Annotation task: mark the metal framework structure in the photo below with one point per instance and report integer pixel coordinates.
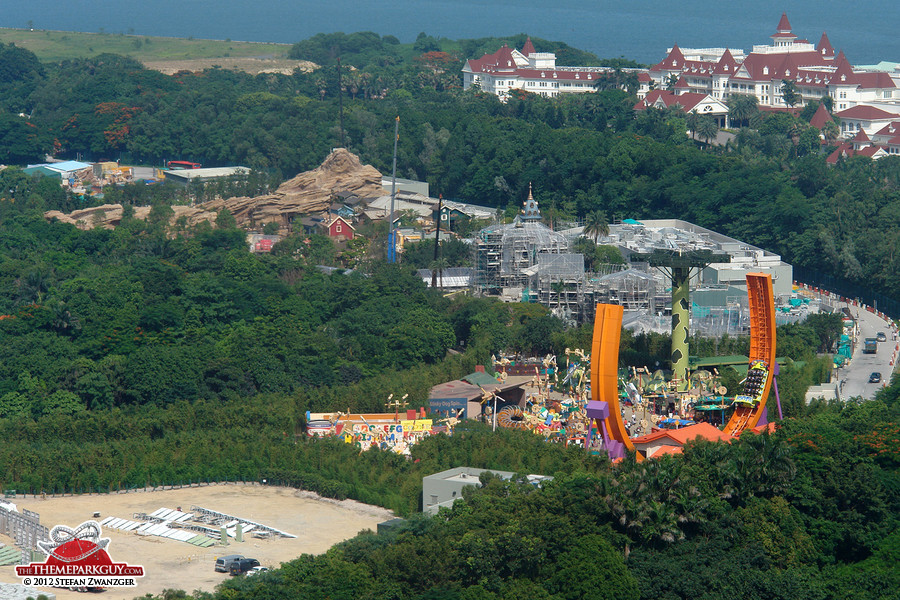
(505, 254)
(221, 519)
(677, 265)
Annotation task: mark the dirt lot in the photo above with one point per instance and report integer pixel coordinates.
(318, 524)
(254, 66)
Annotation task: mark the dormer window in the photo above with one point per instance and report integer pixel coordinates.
(554, 74)
(726, 67)
(843, 78)
(589, 76)
(543, 74)
(765, 70)
(674, 63)
(577, 75)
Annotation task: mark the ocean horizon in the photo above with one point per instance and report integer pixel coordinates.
(641, 30)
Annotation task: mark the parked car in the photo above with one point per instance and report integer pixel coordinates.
(241, 566)
(223, 563)
(875, 377)
(880, 336)
(256, 570)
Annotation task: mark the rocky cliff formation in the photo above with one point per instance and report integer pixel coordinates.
(307, 193)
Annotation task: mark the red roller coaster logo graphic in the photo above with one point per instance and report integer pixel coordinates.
(78, 558)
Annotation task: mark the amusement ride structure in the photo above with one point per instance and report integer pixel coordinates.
(750, 406)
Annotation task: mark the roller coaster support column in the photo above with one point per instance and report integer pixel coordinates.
(680, 325)
(677, 265)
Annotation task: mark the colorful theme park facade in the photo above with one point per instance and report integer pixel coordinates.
(395, 431)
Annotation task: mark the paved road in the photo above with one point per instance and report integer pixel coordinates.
(855, 375)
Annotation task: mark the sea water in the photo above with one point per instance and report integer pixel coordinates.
(636, 29)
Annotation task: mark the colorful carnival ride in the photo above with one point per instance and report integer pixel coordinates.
(585, 400)
(749, 406)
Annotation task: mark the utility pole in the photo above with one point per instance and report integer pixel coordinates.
(392, 235)
(437, 241)
(341, 100)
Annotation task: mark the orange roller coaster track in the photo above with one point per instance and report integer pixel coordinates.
(762, 348)
(604, 406)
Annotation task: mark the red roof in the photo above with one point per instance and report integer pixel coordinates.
(500, 61)
(687, 101)
(667, 450)
(824, 47)
(868, 151)
(674, 61)
(503, 62)
(685, 434)
(644, 77)
(726, 65)
(861, 136)
(891, 129)
(681, 84)
(770, 427)
(845, 149)
(821, 117)
(528, 48)
(554, 74)
(768, 67)
(877, 80)
(784, 26)
(866, 113)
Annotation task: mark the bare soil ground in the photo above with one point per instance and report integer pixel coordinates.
(254, 66)
(318, 524)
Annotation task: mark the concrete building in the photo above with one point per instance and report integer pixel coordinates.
(405, 185)
(185, 177)
(444, 488)
(642, 237)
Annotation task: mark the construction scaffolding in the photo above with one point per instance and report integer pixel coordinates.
(505, 254)
(26, 530)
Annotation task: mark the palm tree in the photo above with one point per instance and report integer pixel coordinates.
(33, 287)
(693, 121)
(741, 108)
(64, 322)
(707, 128)
(437, 266)
(789, 93)
(670, 82)
(596, 225)
(831, 132)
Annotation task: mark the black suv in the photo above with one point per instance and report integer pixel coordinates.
(241, 566)
(875, 377)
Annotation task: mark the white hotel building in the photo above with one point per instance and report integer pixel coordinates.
(815, 69)
(509, 69)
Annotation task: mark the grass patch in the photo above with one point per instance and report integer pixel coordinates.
(52, 46)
